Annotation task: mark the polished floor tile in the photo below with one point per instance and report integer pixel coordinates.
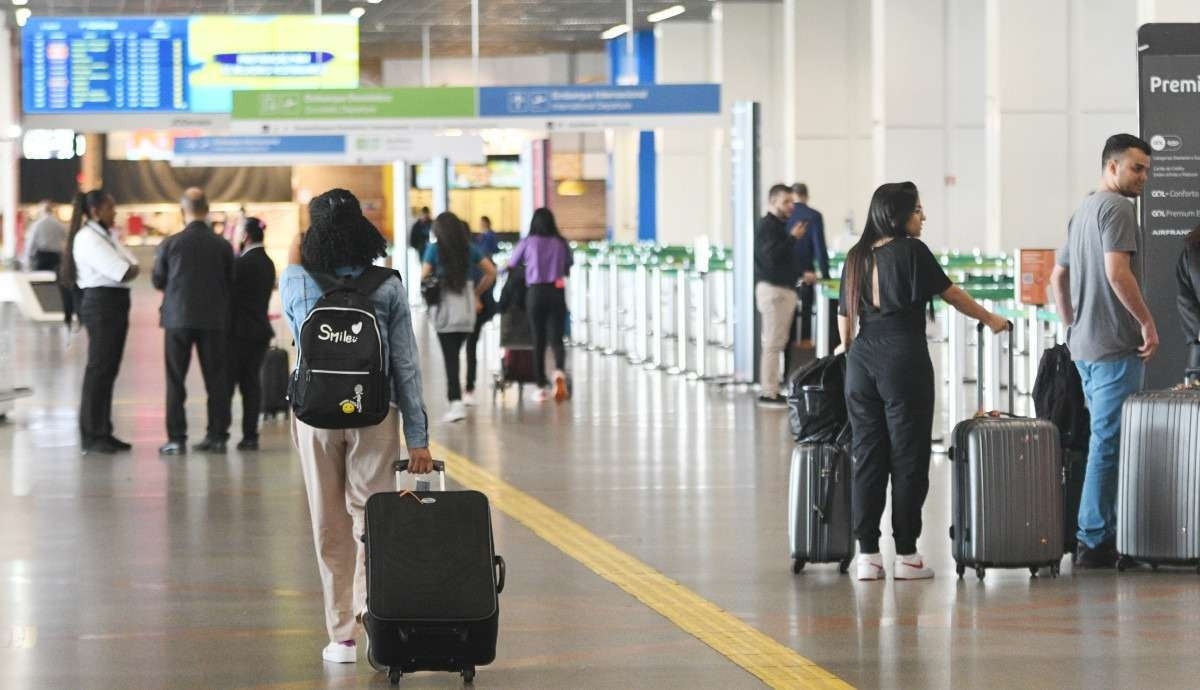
(197, 572)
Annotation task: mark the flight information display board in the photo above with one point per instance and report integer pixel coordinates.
(179, 65)
(105, 65)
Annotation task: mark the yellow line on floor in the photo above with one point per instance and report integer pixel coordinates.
(773, 663)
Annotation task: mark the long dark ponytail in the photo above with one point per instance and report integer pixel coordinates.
(454, 250)
(891, 207)
(83, 209)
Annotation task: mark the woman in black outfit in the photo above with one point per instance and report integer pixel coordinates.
(889, 279)
(1188, 301)
(101, 268)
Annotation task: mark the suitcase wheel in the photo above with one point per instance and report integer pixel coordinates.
(1124, 563)
(980, 572)
(1033, 571)
(1055, 569)
(844, 566)
(394, 676)
(798, 565)
(960, 569)
(468, 675)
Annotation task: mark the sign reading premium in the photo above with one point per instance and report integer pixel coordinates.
(1170, 100)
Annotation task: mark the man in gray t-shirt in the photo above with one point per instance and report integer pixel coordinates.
(1096, 287)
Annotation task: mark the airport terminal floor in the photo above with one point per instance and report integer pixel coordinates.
(644, 526)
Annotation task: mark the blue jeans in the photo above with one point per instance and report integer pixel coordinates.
(1105, 385)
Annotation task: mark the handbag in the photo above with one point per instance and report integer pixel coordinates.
(431, 289)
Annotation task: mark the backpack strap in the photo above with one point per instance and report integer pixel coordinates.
(367, 283)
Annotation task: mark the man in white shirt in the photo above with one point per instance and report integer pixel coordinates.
(45, 240)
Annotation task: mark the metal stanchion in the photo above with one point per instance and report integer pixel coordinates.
(597, 291)
(658, 329)
(681, 321)
(821, 331)
(703, 316)
(612, 342)
(580, 312)
(639, 353)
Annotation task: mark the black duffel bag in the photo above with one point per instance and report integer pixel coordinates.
(816, 401)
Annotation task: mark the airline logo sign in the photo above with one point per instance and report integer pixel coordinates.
(590, 101)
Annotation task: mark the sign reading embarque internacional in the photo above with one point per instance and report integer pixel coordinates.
(1169, 71)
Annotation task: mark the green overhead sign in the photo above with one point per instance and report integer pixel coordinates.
(355, 104)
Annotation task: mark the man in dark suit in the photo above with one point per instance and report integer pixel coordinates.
(194, 269)
(250, 330)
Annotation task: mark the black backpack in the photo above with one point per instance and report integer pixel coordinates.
(1058, 397)
(341, 379)
(816, 401)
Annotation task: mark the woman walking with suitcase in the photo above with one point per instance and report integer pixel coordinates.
(889, 278)
(465, 276)
(343, 467)
(547, 259)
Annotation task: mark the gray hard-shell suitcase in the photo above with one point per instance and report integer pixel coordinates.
(1158, 496)
(819, 506)
(1007, 490)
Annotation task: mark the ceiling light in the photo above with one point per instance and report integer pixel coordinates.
(374, 2)
(20, 3)
(618, 30)
(23, 15)
(672, 11)
(357, 12)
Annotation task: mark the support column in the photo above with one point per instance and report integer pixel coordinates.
(684, 153)
(1027, 129)
(908, 39)
(631, 60)
(831, 112)
(1163, 11)
(746, 50)
(441, 185)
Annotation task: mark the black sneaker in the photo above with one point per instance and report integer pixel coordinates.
(768, 401)
(210, 445)
(248, 444)
(102, 446)
(1103, 556)
(173, 448)
(121, 445)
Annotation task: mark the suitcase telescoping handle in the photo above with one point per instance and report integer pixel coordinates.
(1012, 350)
(439, 468)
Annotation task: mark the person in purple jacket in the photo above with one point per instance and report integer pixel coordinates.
(547, 259)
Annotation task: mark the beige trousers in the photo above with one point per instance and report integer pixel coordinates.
(342, 469)
(777, 305)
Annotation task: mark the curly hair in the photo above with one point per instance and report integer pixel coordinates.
(454, 249)
(339, 235)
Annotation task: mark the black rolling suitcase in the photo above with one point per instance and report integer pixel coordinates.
(274, 378)
(1007, 490)
(819, 506)
(433, 580)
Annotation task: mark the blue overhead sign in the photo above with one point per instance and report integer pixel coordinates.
(600, 100)
(259, 145)
(259, 150)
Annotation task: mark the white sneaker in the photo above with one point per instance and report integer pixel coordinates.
(456, 413)
(339, 653)
(870, 566)
(468, 399)
(912, 567)
(541, 395)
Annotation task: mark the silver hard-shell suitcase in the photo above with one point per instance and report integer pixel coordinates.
(1007, 490)
(819, 506)
(1158, 496)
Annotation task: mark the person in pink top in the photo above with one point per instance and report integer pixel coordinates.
(547, 260)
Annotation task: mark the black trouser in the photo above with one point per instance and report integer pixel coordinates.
(245, 373)
(451, 345)
(210, 347)
(889, 396)
(473, 346)
(105, 314)
(547, 307)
